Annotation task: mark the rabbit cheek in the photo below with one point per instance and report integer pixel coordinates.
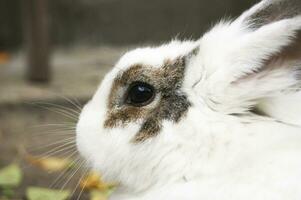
(171, 108)
(123, 116)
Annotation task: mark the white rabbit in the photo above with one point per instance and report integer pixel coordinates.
(214, 119)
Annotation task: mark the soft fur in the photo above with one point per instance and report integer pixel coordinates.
(241, 135)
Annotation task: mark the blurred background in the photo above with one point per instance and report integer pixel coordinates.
(53, 55)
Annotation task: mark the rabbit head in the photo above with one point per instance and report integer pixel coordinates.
(153, 117)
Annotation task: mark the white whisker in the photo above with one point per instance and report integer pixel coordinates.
(53, 144)
(55, 125)
(75, 112)
(72, 175)
(58, 111)
(55, 133)
(63, 173)
(84, 174)
(58, 149)
(78, 106)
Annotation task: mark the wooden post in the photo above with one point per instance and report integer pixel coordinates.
(36, 30)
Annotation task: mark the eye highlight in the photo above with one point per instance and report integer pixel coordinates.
(140, 94)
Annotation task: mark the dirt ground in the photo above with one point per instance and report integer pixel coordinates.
(29, 124)
(38, 131)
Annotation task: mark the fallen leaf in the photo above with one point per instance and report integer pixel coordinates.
(93, 181)
(36, 193)
(4, 57)
(50, 164)
(7, 192)
(10, 176)
(98, 195)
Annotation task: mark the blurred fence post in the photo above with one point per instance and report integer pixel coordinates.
(36, 30)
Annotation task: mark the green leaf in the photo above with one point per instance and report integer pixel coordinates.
(10, 176)
(36, 193)
(8, 192)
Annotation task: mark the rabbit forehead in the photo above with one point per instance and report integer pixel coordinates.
(155, 56)
(170, 103)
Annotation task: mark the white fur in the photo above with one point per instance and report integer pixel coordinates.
(210, 154)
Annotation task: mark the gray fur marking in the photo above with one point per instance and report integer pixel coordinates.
(274, 10)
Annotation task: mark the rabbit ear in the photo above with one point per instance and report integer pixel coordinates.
(268, 11)
(278, 41)
(261, 59)
(281, 16)
(276, 25)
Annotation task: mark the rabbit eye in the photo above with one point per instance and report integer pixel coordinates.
(140, 94)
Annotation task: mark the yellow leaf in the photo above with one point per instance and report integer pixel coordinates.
(51, 164)
(93, 181)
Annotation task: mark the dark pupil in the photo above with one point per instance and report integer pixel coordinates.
(140, 94)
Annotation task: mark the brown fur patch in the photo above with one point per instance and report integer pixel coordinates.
(123, 116)
(172, 103)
